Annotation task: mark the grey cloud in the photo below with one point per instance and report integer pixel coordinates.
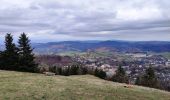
(90, 18)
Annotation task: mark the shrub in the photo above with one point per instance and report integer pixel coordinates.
(43, 68)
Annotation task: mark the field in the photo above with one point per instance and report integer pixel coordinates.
(166, 54)
(92, 54)
(29, 86)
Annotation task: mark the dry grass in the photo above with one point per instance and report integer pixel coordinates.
(28, 86)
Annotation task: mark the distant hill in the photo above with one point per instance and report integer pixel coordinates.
(83, 46)
(120, 46)
(29, 86)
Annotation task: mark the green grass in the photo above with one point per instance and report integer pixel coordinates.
(28, 86)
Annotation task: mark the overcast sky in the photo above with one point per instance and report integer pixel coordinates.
(63, 20)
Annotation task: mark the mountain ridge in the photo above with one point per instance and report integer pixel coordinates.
(84, 46)
(120, 46)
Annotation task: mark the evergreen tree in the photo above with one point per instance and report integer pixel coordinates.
(1, 60)
(120, 76)
(138, 81)
(74, 69)
(149, 79)
(9, 57)
(66, 71)
(83, 70)
(59, 70)
(100, 73)
(96, 72)
(26, 59)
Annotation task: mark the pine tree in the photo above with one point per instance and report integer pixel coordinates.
(100, 73)
(120, 76)
(121, 71)
(74, 69)
(149, 79)
(96, 72)
(9, 57)
(26, 56)
(138, 81)
(59, 71)
(84, 70)
(1, 60)
(66, 71)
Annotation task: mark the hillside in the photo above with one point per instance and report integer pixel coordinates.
(28, 86)
(83, 46)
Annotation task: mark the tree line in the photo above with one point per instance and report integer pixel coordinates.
(147, 79)
(17, 57)
(71, 69)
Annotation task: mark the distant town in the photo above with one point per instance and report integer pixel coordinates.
(134, 63)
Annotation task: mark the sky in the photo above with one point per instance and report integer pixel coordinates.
(66, 20)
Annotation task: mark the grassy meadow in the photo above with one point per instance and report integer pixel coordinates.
(30, 86)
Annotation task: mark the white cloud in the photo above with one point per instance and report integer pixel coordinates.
(86, 19)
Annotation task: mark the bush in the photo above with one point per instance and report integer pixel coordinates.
(43, 68)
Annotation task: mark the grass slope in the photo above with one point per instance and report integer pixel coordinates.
(28, 86)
